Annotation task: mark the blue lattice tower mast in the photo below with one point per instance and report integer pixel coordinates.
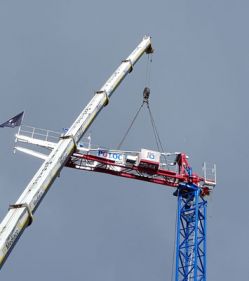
(191, 234)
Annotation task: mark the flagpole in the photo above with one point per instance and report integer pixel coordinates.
(18, 132)
(22, 117)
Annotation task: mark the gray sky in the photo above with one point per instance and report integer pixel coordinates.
(54, 55)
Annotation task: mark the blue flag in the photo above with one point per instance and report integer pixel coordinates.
(14, 121)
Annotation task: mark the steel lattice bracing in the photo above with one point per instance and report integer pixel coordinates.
(191, 234)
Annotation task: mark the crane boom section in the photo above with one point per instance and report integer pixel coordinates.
(20, 214)
(102, 96)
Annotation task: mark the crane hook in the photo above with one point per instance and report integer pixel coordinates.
(146, 94)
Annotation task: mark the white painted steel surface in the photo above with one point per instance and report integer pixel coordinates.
(18, 217)
(149, 155)
(31, 152)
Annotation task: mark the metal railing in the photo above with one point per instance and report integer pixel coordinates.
(209, 173)
(38, 133)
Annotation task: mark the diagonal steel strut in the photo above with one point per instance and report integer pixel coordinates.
(19, 215)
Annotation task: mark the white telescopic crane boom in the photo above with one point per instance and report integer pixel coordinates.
(20, 214)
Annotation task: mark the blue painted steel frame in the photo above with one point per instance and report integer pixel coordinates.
(191, 234)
